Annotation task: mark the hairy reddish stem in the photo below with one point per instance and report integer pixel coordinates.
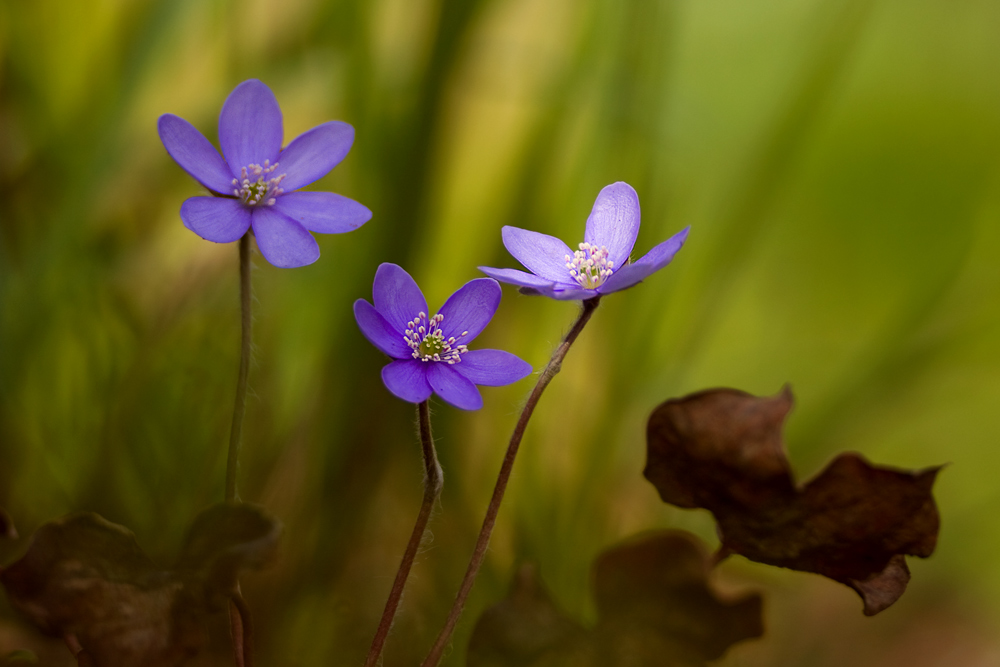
(241, 626)
(433, 481)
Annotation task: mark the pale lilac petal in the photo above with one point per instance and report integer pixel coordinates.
(283, 242)
(625, 277)
(648, 264)
(193, 152)
(407, 379)
(397, 297)
(561, 292)
(467, 312)
(515, 277)
(250, 126)
(543, 255)
(216, 218)
(572, 294)
(614, 221)
(313, 154)
(453, 387)
(323, 212)
(379, 332)
(492, 368)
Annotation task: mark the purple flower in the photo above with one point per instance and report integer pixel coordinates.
(431, 354)
(600, 266)
(256, 181)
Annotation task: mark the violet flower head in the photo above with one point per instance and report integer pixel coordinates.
(600, 265)
(254, 181)
(430, 353)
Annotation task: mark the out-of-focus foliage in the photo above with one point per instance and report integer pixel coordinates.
(836, 160)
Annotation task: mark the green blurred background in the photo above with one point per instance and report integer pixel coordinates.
(836, 160)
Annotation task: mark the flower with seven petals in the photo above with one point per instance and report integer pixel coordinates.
(600, 265)
(430, 353)
(255, 181)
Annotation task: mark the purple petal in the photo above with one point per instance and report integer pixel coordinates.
(216, 218)
(453, 387)
(492, 368)
(467, 312)
(614, 221)
(648, 264)
(250, 126)
(193, 152)
(283, 242)
(313, 154)
(561, 292)
(397, 297)
(564, 293)
(407, 379)
(379, 332)
(323, 212)
(515, 277)
(543, 255)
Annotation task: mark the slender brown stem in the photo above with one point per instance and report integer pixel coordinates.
(553, 367)
(239, 613)
(433, 481)
(240, 408)
(241, 625)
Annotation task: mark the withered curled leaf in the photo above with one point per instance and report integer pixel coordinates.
(654, 590)
(722, 450)
(525, 629)
(85, 579)
(655, 608)
(224, 541)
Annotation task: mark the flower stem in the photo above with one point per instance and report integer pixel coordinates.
(240, 408)
(239, 613)
(553, 367)
(241, 626)
(433, 481)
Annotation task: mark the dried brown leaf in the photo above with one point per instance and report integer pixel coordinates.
(722, 450)
(85, 579)
(659, 583)
(655, 609)
(224, 541)
(525, 629)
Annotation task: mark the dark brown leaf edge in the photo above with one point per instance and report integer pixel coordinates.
(224, 541)
(525, 629)
(722, 450)
(86, 580)
(655, 608)
(7, 530)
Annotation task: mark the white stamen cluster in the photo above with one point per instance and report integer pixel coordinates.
(256, 185)
(589, 266)
(425, 338)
